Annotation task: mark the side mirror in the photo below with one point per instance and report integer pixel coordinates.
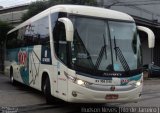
(151, 37)
(68, 27)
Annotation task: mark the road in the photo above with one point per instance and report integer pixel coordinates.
(22, 99)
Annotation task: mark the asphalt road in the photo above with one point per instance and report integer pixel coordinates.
(22, 99)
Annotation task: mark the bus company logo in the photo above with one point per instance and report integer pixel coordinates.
(112, 74)
(124, 81)
(112, 88)
(22, 57)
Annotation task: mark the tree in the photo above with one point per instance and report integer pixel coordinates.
(4, 28)
(77, 2)
(85, 2)
(36, 7)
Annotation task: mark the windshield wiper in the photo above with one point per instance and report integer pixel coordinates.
(121, 57)
(101, 53)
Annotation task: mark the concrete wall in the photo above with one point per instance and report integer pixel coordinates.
(13, 15)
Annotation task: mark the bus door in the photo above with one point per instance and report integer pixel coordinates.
(62, 81)
(60, 44)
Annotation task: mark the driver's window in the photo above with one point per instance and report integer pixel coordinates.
(60, 42)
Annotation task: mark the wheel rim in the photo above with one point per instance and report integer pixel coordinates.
(44, 88)
(11, 79)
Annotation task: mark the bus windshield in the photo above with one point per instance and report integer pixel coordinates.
(105, 45)
(124, 45)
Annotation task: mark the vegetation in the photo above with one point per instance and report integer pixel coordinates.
(4, 28)
(34, 9)
(78, 2)
(39, 6)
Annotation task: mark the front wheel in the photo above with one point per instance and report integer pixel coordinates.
(47, 91)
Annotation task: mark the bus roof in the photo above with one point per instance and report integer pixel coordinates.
(81, 10)
(93, 11)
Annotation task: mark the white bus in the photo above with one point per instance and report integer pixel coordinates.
(79, 54)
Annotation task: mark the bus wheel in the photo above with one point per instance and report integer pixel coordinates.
(11, 76)
(47, 91)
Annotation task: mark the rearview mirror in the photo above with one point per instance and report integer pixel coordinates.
(151, 37)
(68, 27)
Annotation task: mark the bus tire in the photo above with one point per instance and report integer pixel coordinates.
(12, 81)
(47, 91)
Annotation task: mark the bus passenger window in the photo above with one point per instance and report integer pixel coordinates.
(12, 40)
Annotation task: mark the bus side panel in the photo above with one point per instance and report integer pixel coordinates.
(19, 60)
(13, 59)
(40, 62)
(34, 67)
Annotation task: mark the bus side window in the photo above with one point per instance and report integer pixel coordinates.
(60, 42)
(12, 40)
(20, 37)
(42, 31)
(37, 32)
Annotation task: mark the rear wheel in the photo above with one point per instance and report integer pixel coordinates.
(47, 91)
(11, 76)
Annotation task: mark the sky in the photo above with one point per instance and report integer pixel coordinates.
(9, 3)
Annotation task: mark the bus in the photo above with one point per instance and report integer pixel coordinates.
(79, 54)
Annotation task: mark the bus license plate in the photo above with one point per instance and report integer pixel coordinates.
(103, 81)
(111, 96)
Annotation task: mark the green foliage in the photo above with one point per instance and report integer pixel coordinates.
(37, 7)
(84, 2)
(77, 2)
(55, 2)
(4, 28)
(34, 9)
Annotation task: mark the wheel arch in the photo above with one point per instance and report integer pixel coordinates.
(45, 75)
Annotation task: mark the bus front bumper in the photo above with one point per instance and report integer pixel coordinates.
(80, 94)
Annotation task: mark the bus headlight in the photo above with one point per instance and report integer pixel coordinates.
(77, 81)
(80, 82)
(138, 83)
